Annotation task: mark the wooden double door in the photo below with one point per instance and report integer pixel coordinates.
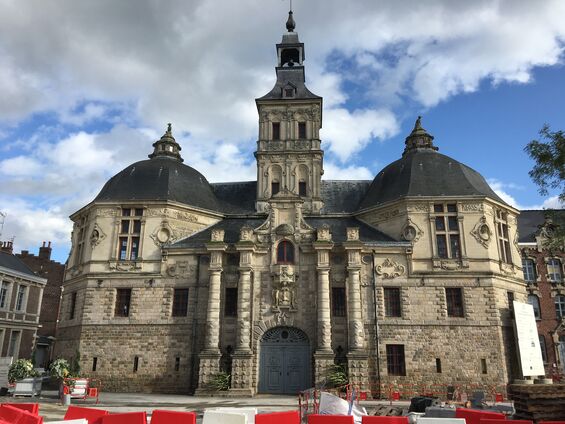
(284, 361)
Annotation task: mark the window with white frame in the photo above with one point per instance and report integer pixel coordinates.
(503, 236)
(20, 298)
(14, 346)
(560, 306)
(447, 230)
(130, 233)
(554, 270)
(529, 268)
(4, 288)
(534, 301)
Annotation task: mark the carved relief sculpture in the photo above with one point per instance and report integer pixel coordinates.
(481, 232)
(390, 269)
(284, 289)
(96, 236)
(411, 232)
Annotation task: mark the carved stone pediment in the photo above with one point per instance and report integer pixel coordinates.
(390, 269)
(284, 288)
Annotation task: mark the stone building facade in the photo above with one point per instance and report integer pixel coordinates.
(21, 292)
(405, 279)
(544, 275)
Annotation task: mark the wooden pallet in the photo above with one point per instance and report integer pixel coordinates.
(538, 402)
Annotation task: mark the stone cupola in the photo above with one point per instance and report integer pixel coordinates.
(167, 146)
(419, 138)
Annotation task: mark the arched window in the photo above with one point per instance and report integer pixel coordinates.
(534, 301)
(285, 252)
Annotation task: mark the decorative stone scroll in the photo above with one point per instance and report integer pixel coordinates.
(390, 269)
(481, 232)
(284, 289)
(125, 266)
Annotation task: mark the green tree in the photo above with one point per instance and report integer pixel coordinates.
(549, 173)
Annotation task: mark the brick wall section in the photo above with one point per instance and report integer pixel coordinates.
(546, 292)
(44, 267)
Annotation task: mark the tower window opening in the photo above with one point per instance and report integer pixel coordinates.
(302, 130)
(290, 57)
(275, 187)
(276, 130)
(285, 252)
(302, 188)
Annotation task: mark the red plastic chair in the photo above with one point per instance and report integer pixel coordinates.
(491, 421)
(92, 415)
(287, 417)
(366, 419)
(10, 414)
(125, 418)
(330, 419)
(160, 416)
(32, 408)
(473, 416)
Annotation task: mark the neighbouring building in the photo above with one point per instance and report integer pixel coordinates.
(405, 279)
(544, 276)
(21, 291)
(43, 266)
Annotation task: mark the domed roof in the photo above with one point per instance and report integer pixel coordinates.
(422, 171)
(163, 177)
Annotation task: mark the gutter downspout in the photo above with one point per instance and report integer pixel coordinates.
(376, 326)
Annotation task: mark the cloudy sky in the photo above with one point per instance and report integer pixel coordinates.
(87, 86)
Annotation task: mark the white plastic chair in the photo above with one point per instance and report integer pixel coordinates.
(217, 417)
(434, 420)
(250, 412)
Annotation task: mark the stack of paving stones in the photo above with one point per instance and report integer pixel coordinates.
(538, 402)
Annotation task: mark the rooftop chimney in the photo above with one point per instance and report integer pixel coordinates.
(6, 246)
(45, 251)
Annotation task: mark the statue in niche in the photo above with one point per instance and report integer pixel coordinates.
(284, 291)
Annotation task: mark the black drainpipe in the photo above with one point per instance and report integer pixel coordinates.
(376, 326)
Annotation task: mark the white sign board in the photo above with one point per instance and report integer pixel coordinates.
(529, 349)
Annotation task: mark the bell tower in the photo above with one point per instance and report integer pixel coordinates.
(288, 153)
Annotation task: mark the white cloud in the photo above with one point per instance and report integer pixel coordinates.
(333, 171)
(348, 132)
(502, 188)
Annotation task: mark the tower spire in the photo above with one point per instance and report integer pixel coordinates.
(290, 24)
(167, 146)
(419, 138)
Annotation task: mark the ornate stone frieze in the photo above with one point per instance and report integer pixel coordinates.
(388, 214)
(106, 212)
(411, 231)
(171, 213)
(96, 236)
(482, 232)
(124, 266)
(472, 207)
(419, 207)
(181, 269)
(352, 233)
(390, 269)
(284, 289)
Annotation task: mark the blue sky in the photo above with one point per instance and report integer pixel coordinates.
(87, 91)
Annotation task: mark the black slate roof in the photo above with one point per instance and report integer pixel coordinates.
(425, 172)
(236, 197)
(290, 75)
(7, 260)
(232, 226)
(160, 178)
(530, 221)
(343, 196)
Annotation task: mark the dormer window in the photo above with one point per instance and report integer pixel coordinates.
(288, 92)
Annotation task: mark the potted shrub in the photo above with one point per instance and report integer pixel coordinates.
(59, 369)
(26, 378)
(219, 382)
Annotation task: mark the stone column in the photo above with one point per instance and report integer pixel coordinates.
(357, 357)
(324, 356)
(242, 360)
(210, 355)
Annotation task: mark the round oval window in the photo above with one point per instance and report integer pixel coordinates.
(284, 334)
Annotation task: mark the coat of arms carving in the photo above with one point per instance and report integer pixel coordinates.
(284, 289)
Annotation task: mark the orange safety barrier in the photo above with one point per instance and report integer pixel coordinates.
(92, 415)
(32, 408)
(125, 418)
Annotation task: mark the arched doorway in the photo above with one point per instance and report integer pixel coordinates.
(284, 364)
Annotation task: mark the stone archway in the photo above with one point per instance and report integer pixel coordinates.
(284, 362)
